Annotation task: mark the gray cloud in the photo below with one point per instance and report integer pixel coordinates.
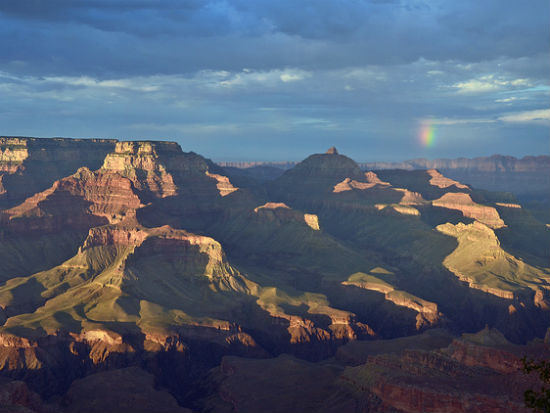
(109, 37)
(280, 74)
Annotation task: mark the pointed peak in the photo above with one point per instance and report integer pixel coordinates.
(332, 151)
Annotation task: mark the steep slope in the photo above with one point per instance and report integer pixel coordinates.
(480, 261)
(112, 276)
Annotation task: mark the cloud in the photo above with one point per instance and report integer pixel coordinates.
(220, 73)
(450, 122)
(490, 83)
(105, 38)
(539, 115)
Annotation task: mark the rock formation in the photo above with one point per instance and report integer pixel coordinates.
(463, 203)
(124, 261)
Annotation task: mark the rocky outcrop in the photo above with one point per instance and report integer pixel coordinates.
(400, 209)
(312, 221)
(443, 182)
(142, 163)
(508, 205)
(428, 313)
(311, 322)
(411, 198)
(372, 178)
(464, 203)
(114, 235)
(272, 205)
(223, 184)
(348, 184)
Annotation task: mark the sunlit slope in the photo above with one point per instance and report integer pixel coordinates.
(118, 276)
(131, 280)
(480, 261)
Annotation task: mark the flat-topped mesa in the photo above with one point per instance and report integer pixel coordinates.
(144, 163)
(15, 150)
(442, 181)
(463, 202)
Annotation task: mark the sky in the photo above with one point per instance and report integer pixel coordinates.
(276, 80)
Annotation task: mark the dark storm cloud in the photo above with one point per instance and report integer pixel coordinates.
(144, 37)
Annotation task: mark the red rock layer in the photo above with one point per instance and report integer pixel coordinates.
(83, 200)
(464, 203)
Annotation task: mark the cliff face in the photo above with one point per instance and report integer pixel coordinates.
(144, 163)
(83, 200)
(30, 165)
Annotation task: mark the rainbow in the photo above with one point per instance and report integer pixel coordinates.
(427, 134)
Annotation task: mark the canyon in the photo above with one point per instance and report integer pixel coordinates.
(137, 268)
